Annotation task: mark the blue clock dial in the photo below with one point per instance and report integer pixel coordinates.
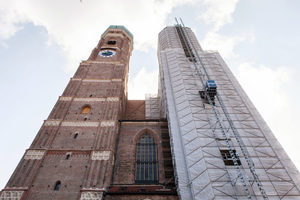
(107, 53)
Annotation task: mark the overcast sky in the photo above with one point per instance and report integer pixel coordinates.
(42, 43)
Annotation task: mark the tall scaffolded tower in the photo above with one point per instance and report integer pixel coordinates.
(221, 146)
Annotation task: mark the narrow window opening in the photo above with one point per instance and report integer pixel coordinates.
(76, 135)
(57, 185)
(85, 119)
(111, 42)
(68, 156)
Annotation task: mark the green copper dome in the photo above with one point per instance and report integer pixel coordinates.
(119, 27)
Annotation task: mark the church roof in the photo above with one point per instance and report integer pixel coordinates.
(119, 27)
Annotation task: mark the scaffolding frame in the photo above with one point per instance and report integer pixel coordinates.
(188, 40)
(192, 129)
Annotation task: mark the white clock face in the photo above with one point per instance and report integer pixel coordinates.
(107, 53)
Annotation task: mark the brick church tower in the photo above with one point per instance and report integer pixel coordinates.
(95, 143)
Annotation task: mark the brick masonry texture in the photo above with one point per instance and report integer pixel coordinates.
(125, 163)
(70, 139)
(135, 110)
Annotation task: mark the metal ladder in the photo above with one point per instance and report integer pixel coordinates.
(235, 132)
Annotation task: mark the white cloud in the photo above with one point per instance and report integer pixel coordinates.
(266, 88)
(9, 19)
(224, 44)
(143, 82)
(217, 12)
(77, 26)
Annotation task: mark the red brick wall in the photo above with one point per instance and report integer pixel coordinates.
(125, 161)
(93, 79)
(55, 167)
(135, 110)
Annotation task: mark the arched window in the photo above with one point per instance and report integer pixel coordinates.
(85, 110)
(146, 160)
(57, 185)
(68, 156)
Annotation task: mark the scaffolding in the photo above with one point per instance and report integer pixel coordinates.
(191, 52)
(199, 149)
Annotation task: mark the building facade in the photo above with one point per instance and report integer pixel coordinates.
(96, 144)
(200, 137)
(221, 146)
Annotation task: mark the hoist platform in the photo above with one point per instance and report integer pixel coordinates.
(210, 90)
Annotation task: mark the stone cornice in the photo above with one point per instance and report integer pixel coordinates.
(107, 123)
(97, 80)
(88, 99)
